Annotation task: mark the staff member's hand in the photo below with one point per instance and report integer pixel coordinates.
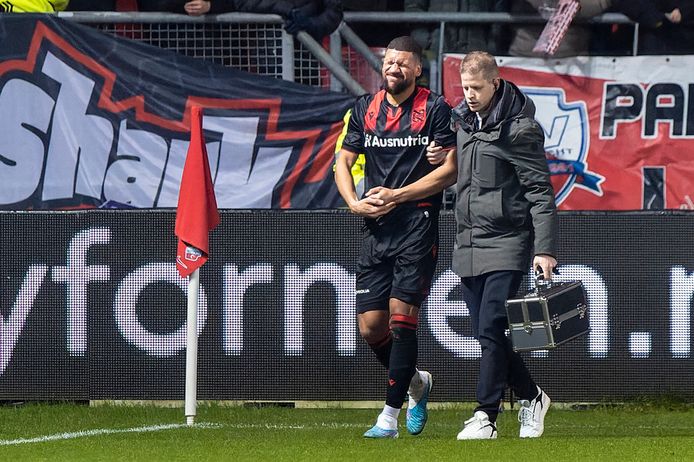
(436, 153)
(546, 263)
(197, 7)
(675, 16)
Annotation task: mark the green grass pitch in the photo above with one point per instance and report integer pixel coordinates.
(49, 432)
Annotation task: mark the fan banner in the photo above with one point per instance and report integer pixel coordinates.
(556, 27)
(619, 132)
(95, 120)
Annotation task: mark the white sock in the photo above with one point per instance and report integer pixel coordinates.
(388, 418)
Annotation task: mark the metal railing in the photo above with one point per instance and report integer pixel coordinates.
(258, 43)
(250, 42)
(443, 20)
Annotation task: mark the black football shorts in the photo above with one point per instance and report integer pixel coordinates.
(397, 258)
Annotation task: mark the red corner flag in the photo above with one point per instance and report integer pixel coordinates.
(197, 211)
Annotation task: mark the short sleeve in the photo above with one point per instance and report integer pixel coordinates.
(441, 124)
(354, 139)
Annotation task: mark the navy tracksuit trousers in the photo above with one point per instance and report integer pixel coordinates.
(485, 296)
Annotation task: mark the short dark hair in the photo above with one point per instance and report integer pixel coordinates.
(406, 43)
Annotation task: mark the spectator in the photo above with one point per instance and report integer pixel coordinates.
(191, 7)
(372, 5)
(93, 5)
(577, 38)
(376, 36)
(317, 17)
(169, 6)
(460, 37)
(33, 6)
(667, 25)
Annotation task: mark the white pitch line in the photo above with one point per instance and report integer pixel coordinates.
(296, 426)
(102, 431)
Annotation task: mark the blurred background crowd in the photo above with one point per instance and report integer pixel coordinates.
(665, 26)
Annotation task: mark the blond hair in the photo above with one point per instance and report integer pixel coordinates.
(480, 62)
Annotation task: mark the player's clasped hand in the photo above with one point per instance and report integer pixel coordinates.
(381, 196)
(371, 207)
(436, 153)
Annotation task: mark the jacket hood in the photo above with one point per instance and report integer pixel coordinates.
(508, 103)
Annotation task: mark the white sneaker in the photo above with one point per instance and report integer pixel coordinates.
(478, 428)
(532, 415)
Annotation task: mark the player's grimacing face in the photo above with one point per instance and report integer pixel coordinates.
(400, 70)
(478, 90)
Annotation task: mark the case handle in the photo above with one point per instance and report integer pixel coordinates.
(540, 281)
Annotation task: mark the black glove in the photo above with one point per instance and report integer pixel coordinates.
(296, 21)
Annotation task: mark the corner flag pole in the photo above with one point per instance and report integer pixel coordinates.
(192, 348)
(196, 216)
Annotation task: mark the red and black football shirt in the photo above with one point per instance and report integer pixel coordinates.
(394, 138)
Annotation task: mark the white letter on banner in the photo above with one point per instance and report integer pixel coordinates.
(682, 290)
(11, 329)
(235, 285)
(439, 309)
(135, 176)
(173, 172)
(297, 283)
(77, 275)
(242, 181)
(125, 310)
(24, 109)
(75, 137)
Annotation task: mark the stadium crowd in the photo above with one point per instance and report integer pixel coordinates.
(667, 26)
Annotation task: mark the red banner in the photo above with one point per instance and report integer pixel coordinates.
(619, 132)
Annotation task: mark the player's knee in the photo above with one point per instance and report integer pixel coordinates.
(373, 326)
(373, 333)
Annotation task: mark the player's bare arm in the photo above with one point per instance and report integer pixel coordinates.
(434, 182)
(367, 207)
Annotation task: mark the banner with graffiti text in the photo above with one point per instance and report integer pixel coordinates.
(619, 132)
(92, 120)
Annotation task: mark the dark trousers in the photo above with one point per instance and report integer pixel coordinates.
(485, 296)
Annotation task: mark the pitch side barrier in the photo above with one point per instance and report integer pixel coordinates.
(92, 308)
